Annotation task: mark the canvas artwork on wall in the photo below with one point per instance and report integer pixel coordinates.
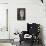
(20, 13)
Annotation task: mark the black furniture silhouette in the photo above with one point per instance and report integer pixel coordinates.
(42, 1)
(33, 30)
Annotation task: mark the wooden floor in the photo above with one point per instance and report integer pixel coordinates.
(6, 40)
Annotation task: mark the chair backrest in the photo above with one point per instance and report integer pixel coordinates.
(33, 28)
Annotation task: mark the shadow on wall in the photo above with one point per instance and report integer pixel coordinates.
(41, 34)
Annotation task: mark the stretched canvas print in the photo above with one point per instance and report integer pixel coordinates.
(20, 13)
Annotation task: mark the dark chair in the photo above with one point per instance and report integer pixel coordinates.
(32, 29)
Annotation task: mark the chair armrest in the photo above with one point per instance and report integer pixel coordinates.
(22, 35)
(24, 32)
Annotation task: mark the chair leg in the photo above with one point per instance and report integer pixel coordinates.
(32, 42)
(20, 42)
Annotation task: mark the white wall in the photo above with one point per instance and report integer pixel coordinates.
(3, 21)
(4, 34)
(34, 13)
(3, 7)
(3, 1)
